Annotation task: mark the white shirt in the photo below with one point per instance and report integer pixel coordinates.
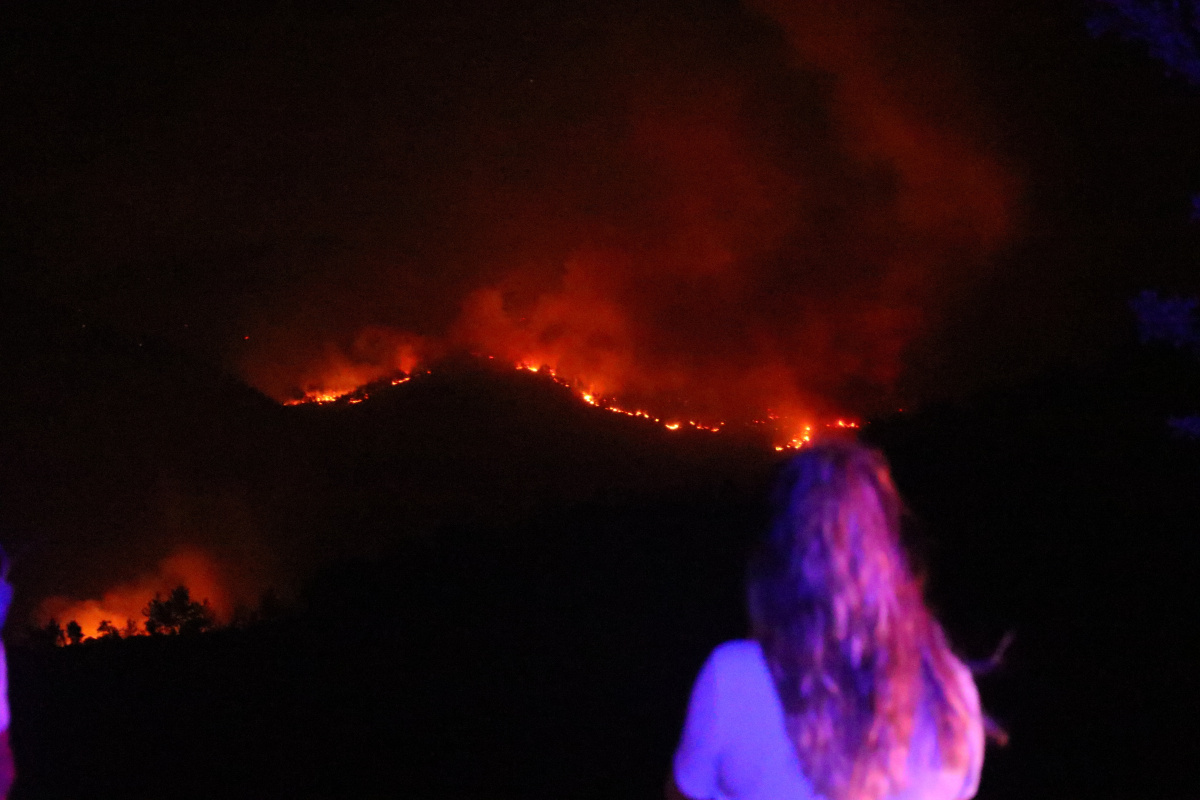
(735, 745)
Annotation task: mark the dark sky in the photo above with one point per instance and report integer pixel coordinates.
(801, 205)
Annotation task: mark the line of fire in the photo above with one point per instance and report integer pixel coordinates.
(787, 432)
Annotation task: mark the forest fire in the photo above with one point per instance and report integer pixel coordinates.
(786, 432)
(785, 223)
(351, 396)
(121, 608)
(781, 228)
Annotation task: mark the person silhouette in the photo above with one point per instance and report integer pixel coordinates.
(848, 689)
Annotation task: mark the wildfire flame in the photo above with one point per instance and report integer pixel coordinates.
(802, 433)
(189, 567)
(351, 396)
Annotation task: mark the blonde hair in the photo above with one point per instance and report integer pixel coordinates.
(851, 645)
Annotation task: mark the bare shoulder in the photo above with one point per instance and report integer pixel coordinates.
(737, 653)
(739, 657)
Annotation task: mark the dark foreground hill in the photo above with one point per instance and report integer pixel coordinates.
(115, 452)
(527, 626)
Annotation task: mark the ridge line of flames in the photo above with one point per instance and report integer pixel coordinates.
(355, 396)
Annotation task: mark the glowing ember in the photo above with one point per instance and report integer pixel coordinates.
(319, 398)
(773, 419)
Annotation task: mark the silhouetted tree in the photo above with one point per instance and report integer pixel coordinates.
(131, 629)
(107, 630)
(177, 613)
(74, 632)
(1169, 28)
(49, 635)
(270, 607)
(1171, 31)
(1171, 320)
(1167, 319)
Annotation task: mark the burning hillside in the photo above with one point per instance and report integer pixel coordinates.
(698, 217)
(708, 214)
(786, 432)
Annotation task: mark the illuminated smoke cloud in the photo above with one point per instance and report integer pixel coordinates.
(759, 209)
(188, 567)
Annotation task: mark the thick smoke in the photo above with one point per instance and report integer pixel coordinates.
(728, 207)
(753, 209)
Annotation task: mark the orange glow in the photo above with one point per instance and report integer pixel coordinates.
(189, 567)
(776, 419)
(335, 373)
(698, 260)
(321, 397)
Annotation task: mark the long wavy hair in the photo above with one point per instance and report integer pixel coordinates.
(850, 643)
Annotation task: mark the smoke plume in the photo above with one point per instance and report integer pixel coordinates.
(722, 212)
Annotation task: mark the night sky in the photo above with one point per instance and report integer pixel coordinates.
(800, 205)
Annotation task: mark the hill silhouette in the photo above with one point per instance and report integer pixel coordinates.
(115, 451)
